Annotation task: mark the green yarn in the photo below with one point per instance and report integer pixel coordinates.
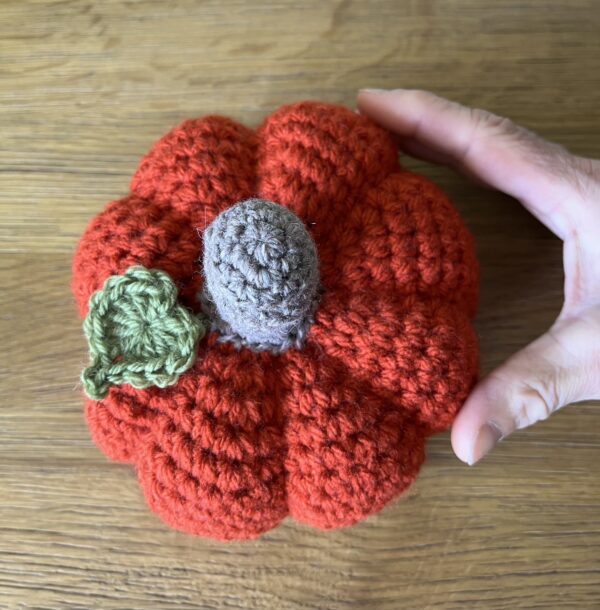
(138, 333)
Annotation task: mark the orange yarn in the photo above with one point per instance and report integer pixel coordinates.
(330, 433)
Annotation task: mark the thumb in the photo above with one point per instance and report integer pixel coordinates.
(560, 367)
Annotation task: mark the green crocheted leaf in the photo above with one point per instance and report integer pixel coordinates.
(138, 334)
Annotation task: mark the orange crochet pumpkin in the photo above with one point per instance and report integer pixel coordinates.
(331, 428)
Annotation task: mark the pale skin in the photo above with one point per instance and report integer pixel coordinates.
(562, 191)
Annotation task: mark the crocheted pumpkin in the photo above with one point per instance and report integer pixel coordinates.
(277, 320)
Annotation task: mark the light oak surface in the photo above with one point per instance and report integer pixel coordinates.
(85, 88)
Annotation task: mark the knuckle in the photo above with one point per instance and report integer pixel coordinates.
(588, 167)
(526, 402)
(535, 401)
(488, 127)
(483, 119)
(582, 173)
(422, 96)
(538, 399)
(585, 175)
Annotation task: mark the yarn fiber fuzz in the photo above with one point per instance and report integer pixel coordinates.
(328, 430)
(262, 276)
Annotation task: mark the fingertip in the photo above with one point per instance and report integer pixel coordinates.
(475, 432)
(413, 113)
(488, 437)
(380, 97)
(463, 436)
(375, 91)
(398, 92)
(472, 448)
(368, 100)
(388, 108)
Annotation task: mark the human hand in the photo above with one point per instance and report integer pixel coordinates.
(561, 190)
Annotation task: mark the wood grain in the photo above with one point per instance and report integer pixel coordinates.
(85, 88)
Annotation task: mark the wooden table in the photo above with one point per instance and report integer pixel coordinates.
(85, 88)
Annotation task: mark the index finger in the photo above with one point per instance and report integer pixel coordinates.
(496, 151)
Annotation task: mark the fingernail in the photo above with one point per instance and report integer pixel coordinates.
(487, 438)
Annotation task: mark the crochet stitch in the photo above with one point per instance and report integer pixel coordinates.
(262, 276)
(374, 354)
